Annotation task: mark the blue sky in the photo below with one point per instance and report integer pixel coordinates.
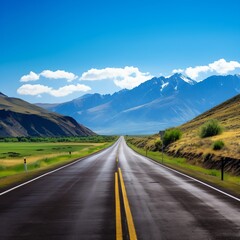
(76, 47)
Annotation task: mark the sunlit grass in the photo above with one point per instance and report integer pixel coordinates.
(40, 161)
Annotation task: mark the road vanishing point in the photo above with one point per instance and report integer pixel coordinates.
(117, 194)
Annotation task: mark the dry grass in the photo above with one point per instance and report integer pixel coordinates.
(196, 149)
(32, 159)
(228, 115)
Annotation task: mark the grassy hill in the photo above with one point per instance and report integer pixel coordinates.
(228, 115)
(199, 151)
(20, 118)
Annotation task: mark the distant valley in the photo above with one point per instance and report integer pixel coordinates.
(154, 105)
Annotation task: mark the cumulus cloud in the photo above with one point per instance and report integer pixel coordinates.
(38, 89)
(32, 76)
(220, 66)
(69, 89)
(193, 72)
(59, 74)
(33, 89)
(128, 77)
(177, 70)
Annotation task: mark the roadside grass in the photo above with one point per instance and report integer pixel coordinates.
(19, 150)
(212, 176)
(39, 162)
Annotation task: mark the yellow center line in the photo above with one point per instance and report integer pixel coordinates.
(118, 210)
(130, 223)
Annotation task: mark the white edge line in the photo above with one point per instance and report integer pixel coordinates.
(196, 180)
(55, 170)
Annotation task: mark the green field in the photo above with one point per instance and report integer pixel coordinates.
(40, 157)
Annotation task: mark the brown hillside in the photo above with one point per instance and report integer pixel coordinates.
(20, 118)
(200, 150)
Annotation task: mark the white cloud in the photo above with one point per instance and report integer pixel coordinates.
(33, 89)
(59, 74)
(69, 89)
(193, 72)
(38, 89)
(32, 76)
(128, 77)
(177, 70)
(220, 66)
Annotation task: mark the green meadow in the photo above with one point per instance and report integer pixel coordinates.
(40, 157)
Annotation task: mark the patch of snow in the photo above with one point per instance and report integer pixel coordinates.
(187, 80)
(164, 85)
(134, 108)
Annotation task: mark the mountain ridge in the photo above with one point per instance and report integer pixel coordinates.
(155, 104)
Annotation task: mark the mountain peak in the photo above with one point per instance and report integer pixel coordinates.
(155, 104)
(178, 76)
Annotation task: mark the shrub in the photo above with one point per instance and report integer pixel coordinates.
(210, 128)
(218, 145)
(171, 135)
(158, 145)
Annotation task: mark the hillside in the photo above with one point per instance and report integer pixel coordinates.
(155, 104)
(20, 118)
(228, 115)
(199, 150)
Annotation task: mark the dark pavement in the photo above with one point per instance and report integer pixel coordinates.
(168, 205)
(78, 202)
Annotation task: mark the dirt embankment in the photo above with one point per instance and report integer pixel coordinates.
(210, 161)
(207, 159)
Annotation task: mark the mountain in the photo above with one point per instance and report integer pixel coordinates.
(20, 118)
(2, 95)
(46, 105)
(155, 104)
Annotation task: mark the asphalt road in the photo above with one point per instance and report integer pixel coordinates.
(78, 202)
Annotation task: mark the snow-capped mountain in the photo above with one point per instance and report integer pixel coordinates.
(155, 104)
